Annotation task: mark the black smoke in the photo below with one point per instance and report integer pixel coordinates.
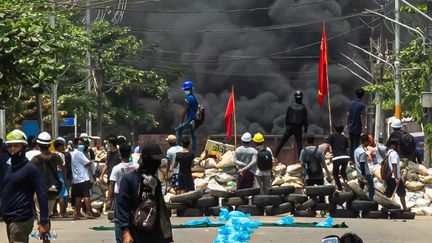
(264, 83)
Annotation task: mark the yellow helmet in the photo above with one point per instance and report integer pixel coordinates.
(16, 136)
(258, 138)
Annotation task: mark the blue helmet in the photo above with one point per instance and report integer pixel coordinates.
(188, 85)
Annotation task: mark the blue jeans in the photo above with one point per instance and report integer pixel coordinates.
(186, 125)
(371, 187)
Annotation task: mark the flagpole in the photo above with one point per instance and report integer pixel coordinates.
(329, 107)
(235, 119)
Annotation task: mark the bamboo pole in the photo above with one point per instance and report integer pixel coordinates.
(329, 107)
(235, 119)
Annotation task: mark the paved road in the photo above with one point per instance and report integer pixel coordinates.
(419, 230)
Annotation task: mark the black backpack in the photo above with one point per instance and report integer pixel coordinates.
(313, 164)
(408, 144)
(199, 115)
(264, 159)
(50, 175)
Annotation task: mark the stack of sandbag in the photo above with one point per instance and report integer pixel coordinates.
(98, 196)
(294, 176)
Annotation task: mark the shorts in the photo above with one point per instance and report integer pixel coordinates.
(391, 185)
(175, 181)
(19, 231)
(81, 190)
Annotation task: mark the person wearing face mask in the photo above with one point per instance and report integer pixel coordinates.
(113, 157)
(80, 178)
(188, 115)
(296, 119)
(21, 182)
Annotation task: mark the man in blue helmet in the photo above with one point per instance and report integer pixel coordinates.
(188, 115)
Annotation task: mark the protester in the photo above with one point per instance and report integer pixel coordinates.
(395, 183)
(339, 146)
(59, 146)
(188, 115)
(129, 200)
(407, 145)
(295, 120)
(47, 163)
(265, 160)
(80, 179)
(90, 155)
(22, 181)
(372, 151)
(171, 156)
(356, 119)
(113, 156)
(361, 163)
(4, 157)
(380, 151)
(117, 174)
(244, 156)
(33, 148)
(184, 160)
(121, 139)
(313, 161)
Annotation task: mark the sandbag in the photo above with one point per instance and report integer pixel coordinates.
(223, 177)
(292, 179)
(295, 168)
(168, 196)
(352, 175)
(230, 170)
(427, 210)
(279, 169)
(422, 170)
(213, 185)
(414, 185)
(425, 179)
(278, 181)
(421, 202)
(198, 168)
(227, 160)
(198, 175)
(200, 184)
(376, 172)
(428, 192)
(295, 185)
(208, 163)
(379, 186)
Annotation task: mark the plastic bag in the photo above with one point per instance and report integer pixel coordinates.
(213, 185)
(206, 220)
(328, 223)
(227, 160)
(223, 177)
(208, 163)
(287, 220)
(421, 202)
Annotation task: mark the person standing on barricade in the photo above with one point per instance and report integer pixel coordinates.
(188, 115)
(245, 158)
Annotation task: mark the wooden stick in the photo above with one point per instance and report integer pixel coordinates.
(329, 106)
(235, 119)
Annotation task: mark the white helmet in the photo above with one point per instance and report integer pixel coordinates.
(396, 123)
(84, 135)
(16, 136)
(44, 138)
(246, 137)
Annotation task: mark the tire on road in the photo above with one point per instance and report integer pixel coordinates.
(385, 201)
(280, 209)
(190, 212)
(304, 213)
(177, 206)
(308, 204)
(325, 206)
(342, 197)
(214, 211)
(281, 190)
(253, 210)
(357, 190)
(364, 206)
(296, 198)
(374, 215)
(186, 197)
(234, 201)
(320, 190)
(265, 200)
(404, 215)
(206, 202)
(344, 213)
(247, 192)
(222, 194)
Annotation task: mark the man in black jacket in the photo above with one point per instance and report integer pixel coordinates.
(295, 120)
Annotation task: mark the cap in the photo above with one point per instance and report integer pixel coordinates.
(153, 150)
(171, 139)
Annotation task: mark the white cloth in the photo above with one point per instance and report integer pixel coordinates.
(79, 170)
(171, 155)
(32, 153)
(393, 159)
(119, 171)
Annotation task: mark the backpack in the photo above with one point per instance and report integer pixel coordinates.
(146, 214)
(199, 115)
(385, 170)
(264, 159)
(407, 145)
(313, 164)
(50, 175)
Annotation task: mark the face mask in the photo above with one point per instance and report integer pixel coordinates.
(81, 147)
(187, 92)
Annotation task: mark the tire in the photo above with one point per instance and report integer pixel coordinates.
(234, 201)
(342, 197)
(404, 215)
(343, 213)
(364, 206)
(222, 194)
(177, 206)
(265, 200)
(308, 204)
(325, 207)
(280, 209)
(375, 215)
(206, 202)
(296, 198)
(281, 190)
(186, 197)
(253, 210)
(214, 211)
(357, 190)
(320, 190)
(247, 192)
(304, 213)
(385, 202)
(190, 212)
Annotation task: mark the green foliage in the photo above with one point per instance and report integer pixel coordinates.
(408, 9)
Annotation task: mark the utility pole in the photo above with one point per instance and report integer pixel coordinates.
(397, 62)
(2, 122)
(54, 90)
(89, 70)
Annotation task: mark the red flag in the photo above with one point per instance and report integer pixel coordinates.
(229, 114)
(322, 74)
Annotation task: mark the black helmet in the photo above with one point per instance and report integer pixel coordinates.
(298, 94)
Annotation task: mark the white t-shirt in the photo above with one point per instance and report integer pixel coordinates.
(32, 153)
(171, 155)
(393, 159)
(79, 170)
(119, 171)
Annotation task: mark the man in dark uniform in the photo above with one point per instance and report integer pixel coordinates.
(295, 120)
